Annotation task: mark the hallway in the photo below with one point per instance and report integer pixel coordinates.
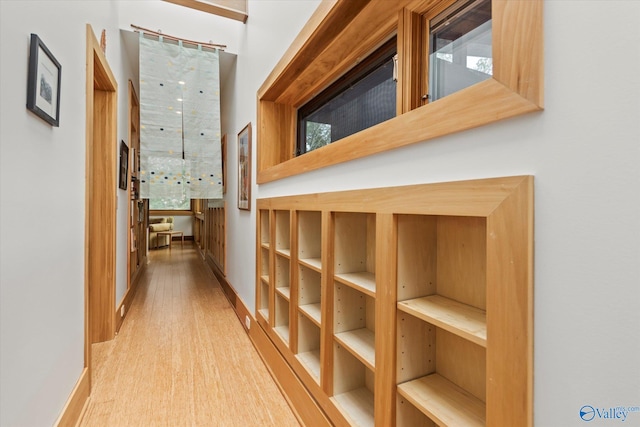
(182, 358)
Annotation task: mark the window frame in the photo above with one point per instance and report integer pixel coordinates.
(340, 33)
(378, 58)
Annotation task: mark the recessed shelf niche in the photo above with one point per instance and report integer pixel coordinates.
(417, 298)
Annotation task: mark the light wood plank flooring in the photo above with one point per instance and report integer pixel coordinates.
(182, 357)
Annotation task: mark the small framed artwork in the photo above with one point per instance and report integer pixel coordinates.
(124, 165)
(43, 88)
(244, 168)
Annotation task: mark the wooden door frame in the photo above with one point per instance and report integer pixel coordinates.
(100, 197)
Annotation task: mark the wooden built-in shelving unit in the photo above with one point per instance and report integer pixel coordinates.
(139, 208)
(395, 306)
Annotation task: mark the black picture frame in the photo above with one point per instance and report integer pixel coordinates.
(45, 77)
(124, 166)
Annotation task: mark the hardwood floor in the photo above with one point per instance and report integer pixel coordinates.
(182, 357)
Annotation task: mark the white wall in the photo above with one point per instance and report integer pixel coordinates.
(42, 211)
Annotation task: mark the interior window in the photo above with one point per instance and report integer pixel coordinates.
(362, 98)
(170, 204)
(460, 52)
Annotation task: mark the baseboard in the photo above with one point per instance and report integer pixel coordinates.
(301, 402)
(76, 405)
(295, 393)
(128, 297)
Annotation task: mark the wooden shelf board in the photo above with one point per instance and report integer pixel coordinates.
(265, 245)
(313, 312)
(283, 332)
(363, 281)
(361, 343)
(460, 319)
(264, 312)
(284, 292)
(313, 263)
(284, 252)
(444, 402)
(265, 279)
(311, 361)
(357, 405)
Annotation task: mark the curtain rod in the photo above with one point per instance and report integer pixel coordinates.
(166, 36)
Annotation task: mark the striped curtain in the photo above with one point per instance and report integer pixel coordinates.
(180, 151)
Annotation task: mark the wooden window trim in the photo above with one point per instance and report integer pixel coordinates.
(236, 10)
(341, 33)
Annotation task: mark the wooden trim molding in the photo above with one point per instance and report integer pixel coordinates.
(100, 198)
(128, 298)
(76, 405)
(232, 9)
(342, 32)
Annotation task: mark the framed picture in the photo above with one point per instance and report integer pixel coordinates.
(244, 168)
(43, 88)
(124, 165)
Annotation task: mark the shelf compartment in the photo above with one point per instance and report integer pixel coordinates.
(407, 415)
(282, 318)
(282, 276)
(264, 263)
(354, 322)
(444, 402)
(465, 321)
(264, 300)
(313, 312)
(309, 346)
(363, 281)
(442, 255)
(283, 232)
(309, 292)
(310, 238)
(424, 349)
(355, 250)
(353, 385)
(265, 238)
(313, 263)
(284, 293)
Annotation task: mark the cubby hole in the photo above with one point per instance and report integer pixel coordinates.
(355, 250)
(264, 264)
(407, 415)
(283, 233)
(309, 346)
(440, 374)
(309, 293)
(310, 238)
(282, 318)
(282, 276)
(265, 236)
(264, 300)
(354, 322)
(353, 387)
(442, 274)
